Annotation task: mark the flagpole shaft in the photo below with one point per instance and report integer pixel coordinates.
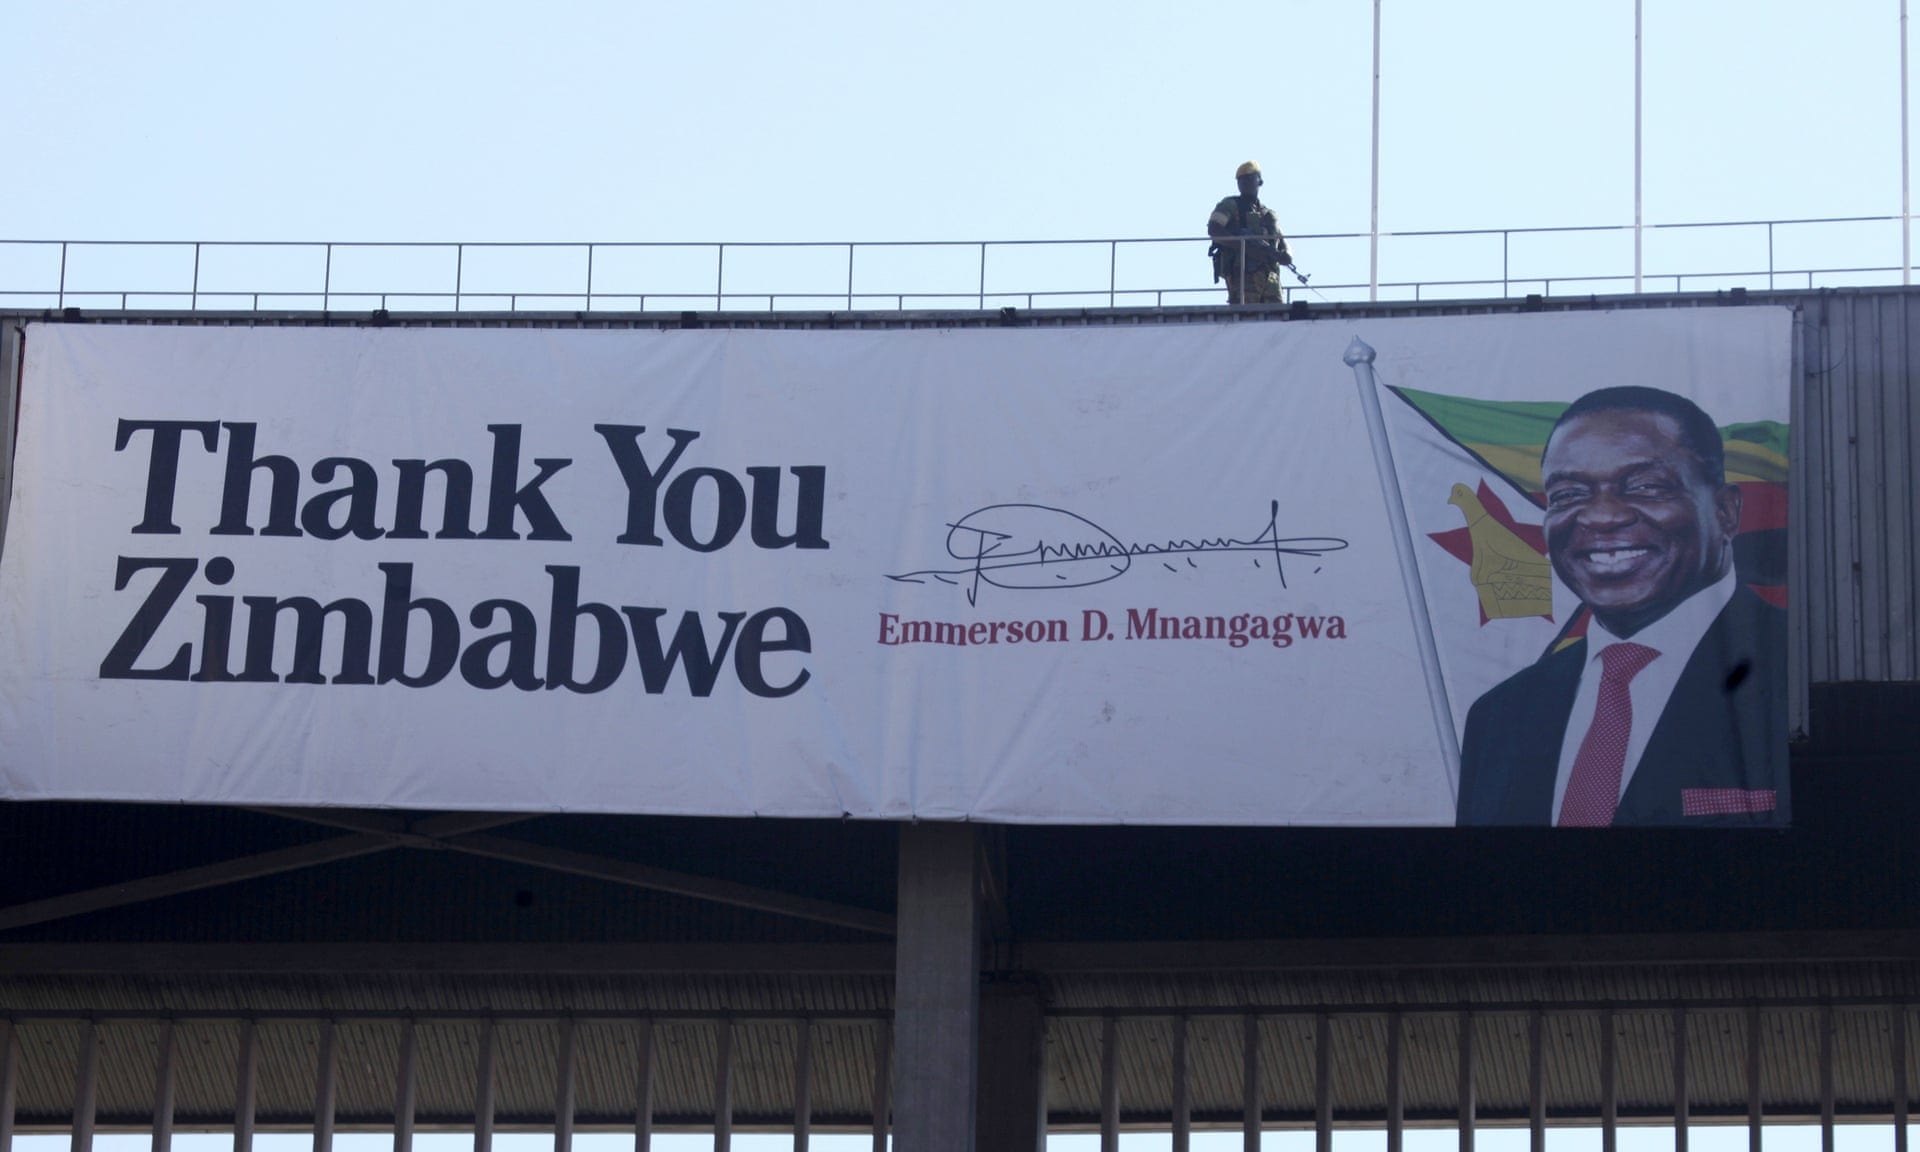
(1359, 357)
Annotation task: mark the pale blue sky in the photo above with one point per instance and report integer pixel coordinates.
(996, 119)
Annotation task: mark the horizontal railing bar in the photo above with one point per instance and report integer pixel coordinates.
(1158, 1012)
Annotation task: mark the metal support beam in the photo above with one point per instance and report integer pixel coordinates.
(882, 1085)
(1323, 1083)
(1250, 1083)
(1755, 1105)
(1109, 1085)
(246, 1086)
(163, 1090)
(1826, 1078)
(1012, 1113)
(86, 1087)
(802, 1085)
(615, 871)
(1609, 1082)
(9, 1082)
(643, 1088)
(326, 1088)
(1537, 1079)
(485, 1080)
(190, 880)
(563, 1090)
(723, 1087)
(405, 1090)
(1680, 1078)
(1466, 1090)
(1396, 1101)
(1182, 1089)
(1899, 1079)
(937, 988)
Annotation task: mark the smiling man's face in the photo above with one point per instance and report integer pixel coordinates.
(1633, 527)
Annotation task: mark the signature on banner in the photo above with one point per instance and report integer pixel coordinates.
(1034, 546)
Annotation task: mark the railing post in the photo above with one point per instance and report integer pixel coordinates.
(459, 273)
(849, 276)
(1506, 286)
(326, 280)
(719, 276)
(61, 300)
(983, 280)
(589, 278)
(193, 300)
(1113, 270)
(1770, 256)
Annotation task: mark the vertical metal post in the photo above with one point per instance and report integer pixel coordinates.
(1109, 1085)
(1506, 276)
(1323, 1083)
(1754, 1106)
(1396, 1104)
(1638, 225)
(326, 1089)
(163, 1080)
(1113, 271)
(246, 1086)
(643, 1089)
(882, 1084)
(563, 1092)
(1537, 1078)
(1609, 1082)
(61, 300)
(1769, 254)
(1679, 1078)
(802, 1085)
(459, 273)
(9, 1079)
(1250, 1082)
(86, 1088)
(589, 277)
(193, 300)
(719, 276)
(850, 276)
(983, 280)
(723, 1087)
(1373, 250)
(1466, 1090)
(1182, 1089)
(1826, 1078)
(404, 1095)
(484, 1078)
(1899, 1081)
(326, 283)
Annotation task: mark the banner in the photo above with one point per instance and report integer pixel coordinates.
(1111, 575)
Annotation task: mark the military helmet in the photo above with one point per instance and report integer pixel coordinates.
(1247, 169)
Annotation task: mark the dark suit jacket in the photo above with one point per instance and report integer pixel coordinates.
(1724, 727)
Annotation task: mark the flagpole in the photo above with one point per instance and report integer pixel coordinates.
(1359, 357)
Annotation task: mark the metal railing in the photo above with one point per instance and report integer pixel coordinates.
(253, 276)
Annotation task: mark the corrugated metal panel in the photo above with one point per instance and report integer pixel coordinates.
(1856, 525)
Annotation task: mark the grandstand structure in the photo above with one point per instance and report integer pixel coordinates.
(951, 986)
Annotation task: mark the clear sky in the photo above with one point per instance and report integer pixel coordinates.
(843, 120)
(995, 119)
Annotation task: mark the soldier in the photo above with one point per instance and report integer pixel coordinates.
(1258, 282)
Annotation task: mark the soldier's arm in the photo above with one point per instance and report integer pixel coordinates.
(1221, 222)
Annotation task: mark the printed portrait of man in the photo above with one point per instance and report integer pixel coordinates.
(1672, 709)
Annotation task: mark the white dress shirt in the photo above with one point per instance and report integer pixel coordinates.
(1674, 636)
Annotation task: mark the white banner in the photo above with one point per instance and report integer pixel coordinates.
(1105, 575)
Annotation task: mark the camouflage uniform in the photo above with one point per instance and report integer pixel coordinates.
(1265, 256)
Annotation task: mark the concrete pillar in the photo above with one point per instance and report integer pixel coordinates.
(1013, 1067)
(936, 989)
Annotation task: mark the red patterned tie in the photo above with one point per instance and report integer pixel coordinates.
(1593, 791)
